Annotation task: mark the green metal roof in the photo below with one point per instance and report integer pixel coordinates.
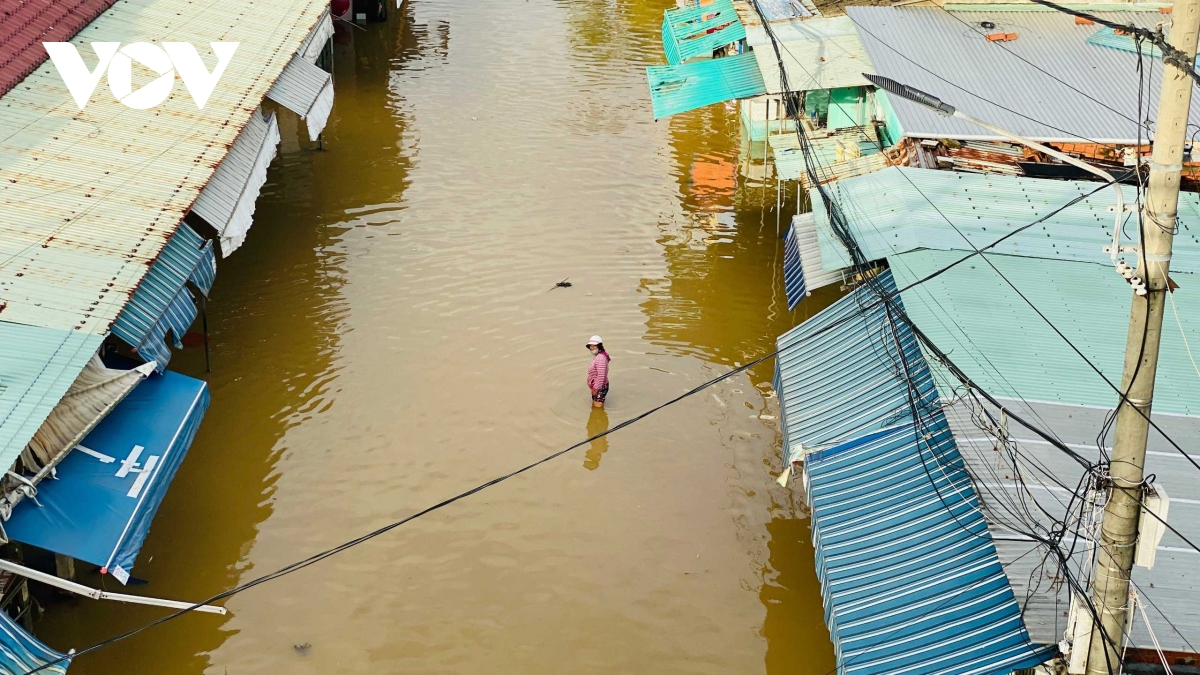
(676, 89)
(697, 30)
(890, 211)
(37, 366)
(970, 313)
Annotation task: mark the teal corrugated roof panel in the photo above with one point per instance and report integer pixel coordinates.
(828, 375)
(893, 211)
(1106, 37)
(676, 89)
(970, 313)
(37, 366)
(909, 575)
(693, 31)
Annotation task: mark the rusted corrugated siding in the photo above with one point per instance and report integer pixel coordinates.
(25, 24)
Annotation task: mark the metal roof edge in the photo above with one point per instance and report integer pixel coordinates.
(1031, 7)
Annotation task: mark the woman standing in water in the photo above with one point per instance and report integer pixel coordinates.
(598, 372)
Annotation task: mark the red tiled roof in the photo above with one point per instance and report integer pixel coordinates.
(25, 24)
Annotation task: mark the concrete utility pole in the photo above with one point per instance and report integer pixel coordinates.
(1118, 529)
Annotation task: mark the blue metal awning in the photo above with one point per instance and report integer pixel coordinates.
(689, 32)
(676, 89)
(162, 303)
(108, 489)
(20, 652)
(910, 577)
(793, 270)
(838, 374)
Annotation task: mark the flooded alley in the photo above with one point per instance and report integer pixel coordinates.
(391, 334)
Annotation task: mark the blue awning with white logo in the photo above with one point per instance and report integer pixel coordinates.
(109, 487)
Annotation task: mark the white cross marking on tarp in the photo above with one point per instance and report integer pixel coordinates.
(105, 459)
(143, 476)
(131, 462)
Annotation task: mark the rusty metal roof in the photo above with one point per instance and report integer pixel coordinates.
(90, 197)
(25, 24)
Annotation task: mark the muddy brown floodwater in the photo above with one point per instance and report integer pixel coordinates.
(390, 335)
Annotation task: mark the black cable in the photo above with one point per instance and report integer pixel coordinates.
(318, 557)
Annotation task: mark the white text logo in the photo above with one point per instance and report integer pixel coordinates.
(165, 59)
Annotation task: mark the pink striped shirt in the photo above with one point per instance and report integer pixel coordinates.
(598, 372)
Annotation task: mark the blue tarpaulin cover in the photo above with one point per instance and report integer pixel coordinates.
(109, 487)
(20, 652)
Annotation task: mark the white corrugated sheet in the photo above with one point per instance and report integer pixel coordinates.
(307, 91)
(227, 202)
(815, 275)
(317, 39)
(818, 53)
(1031, 85)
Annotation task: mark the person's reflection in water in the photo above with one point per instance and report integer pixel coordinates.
(597, 423)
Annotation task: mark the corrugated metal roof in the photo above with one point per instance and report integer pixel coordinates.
(688, 32)
(775, 10)
(910, 577)
(794, 286)
(676, 89)
(900, 209)
(184, 255)
(227, 202)
(314, 44)
(789, 160)
(91, 197)
(1170, 585)
(37, 367)
(910, 44)
(26, 24)
(174, 321)
(831, 376)
(818, 53)
(802, 269)
(1008, 350)
(307, 91)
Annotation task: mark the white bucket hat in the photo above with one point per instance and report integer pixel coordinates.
(595, 340)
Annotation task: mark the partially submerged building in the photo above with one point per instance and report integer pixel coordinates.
(112, 220)
(1006, 260)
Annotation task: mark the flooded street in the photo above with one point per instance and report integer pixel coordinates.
(391, 335)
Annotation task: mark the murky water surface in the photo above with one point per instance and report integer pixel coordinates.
(390, 335)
